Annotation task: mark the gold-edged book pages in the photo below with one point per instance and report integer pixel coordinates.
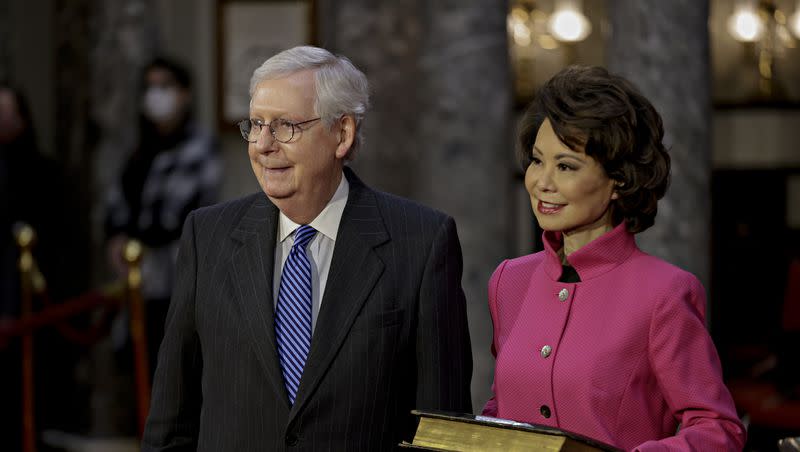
(441, 431)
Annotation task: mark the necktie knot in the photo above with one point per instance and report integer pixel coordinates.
(303, 235)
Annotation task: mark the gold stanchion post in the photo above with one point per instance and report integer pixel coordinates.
(138, 326)
(26, 237)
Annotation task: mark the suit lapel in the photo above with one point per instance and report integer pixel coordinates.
(355, 268)
(252, 269)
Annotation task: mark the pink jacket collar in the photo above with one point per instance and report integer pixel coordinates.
(593, 259)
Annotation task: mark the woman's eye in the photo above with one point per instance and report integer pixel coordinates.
(565, 167)
(535, 161)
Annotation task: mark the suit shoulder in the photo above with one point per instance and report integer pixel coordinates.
(527, 260)
(526, 263)
(227, 212)
(657, 271)
(393, 206)
(518, 267)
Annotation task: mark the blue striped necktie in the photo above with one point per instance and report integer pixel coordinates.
(293, 314)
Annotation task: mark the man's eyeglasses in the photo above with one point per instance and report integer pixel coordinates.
(282, 130)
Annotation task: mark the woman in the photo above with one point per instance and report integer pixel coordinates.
(592, 335)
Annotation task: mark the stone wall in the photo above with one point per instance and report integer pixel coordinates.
(439, 130)
(663, 48)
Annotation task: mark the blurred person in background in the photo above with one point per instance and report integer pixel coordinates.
(32, 191)
(174, 169)
(30, 188)
(592, 335)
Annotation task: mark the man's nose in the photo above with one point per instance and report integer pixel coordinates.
(265, 140)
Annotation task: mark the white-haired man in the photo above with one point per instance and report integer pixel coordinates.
(315, 317)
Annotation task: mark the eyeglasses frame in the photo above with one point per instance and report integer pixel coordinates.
(295, 126)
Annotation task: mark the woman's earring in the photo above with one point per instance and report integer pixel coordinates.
(617, 185)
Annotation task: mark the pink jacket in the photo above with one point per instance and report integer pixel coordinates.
(622, 356)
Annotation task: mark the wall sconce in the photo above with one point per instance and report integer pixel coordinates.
(750, 17)
(567, 23)
(745, 25)
(794, 20)
(543, 38)
(769, 29)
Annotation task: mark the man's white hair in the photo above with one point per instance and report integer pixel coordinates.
(341, 89)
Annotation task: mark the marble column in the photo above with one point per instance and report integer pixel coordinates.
(127, 38)
(663, 47)
(100, 50)
(439, 130)
(5, 38)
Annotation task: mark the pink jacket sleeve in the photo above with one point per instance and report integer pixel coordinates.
(688, 370)
(490, 409)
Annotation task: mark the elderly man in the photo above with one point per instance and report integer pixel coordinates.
(317, 316)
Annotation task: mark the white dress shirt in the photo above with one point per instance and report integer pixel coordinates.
(319, 250)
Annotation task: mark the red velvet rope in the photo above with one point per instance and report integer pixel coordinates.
(95, 330)
(58, 314)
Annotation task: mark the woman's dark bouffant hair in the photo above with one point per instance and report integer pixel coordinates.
(616, 125)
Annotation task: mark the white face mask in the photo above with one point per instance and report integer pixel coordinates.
(160, 104)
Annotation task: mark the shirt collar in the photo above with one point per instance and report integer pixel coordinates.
(327, 222)
(593, 259)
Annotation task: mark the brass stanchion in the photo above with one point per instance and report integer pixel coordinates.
(26, 237)
(138, 326)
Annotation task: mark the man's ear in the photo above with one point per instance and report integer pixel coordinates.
(346, 133)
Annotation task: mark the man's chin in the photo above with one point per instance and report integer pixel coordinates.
(277, 194)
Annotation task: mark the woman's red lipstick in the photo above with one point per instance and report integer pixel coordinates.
(548, 208)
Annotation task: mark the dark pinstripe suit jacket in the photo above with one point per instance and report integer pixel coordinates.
(391, 333)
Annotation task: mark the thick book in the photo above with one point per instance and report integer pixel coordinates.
(442, 431)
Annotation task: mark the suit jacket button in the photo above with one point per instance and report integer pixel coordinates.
(563, 294)
(545, 410)
(545, 351)
(291, 439)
